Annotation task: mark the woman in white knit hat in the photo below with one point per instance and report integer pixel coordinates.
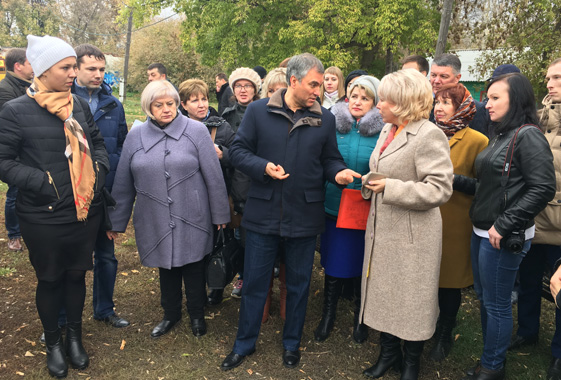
(51, 149)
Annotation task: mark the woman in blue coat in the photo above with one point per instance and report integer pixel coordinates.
(358, 124)
(169, 172)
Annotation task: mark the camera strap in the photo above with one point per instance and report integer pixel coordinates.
(510, 154)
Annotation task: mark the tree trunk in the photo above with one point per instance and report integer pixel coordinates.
(367, 59)
(389, 61)
(447, 8)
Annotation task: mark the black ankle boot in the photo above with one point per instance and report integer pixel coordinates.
(56, 361)
(411, 359)
(482, 373)
(74, 349)
(360, 330)
(390, 356)
(332, 291)
(444, 339)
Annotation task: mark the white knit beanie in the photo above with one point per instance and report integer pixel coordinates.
(43, 52)
(370, 82)
(247, 74)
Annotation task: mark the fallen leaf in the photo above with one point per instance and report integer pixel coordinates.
(186, 354)
(135, 271)
(124, 274)
(106, 344)
(456, 337)
(31, 342)
(20, 373)
(123, 343)
(27, 353)
(250, 371)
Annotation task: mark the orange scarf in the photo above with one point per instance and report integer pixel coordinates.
(394, 131)
(61, 104)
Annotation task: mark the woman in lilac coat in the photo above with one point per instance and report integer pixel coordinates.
(170, 168)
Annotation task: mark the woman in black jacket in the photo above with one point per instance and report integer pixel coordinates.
(515, 180)
(51, 149)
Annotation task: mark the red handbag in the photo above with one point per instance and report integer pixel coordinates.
(353, 210)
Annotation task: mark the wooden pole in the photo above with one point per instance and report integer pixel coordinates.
(127, 53)
(447, 8)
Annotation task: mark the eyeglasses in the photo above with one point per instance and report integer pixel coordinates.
(246, 87)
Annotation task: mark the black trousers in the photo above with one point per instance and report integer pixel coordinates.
(193, 276)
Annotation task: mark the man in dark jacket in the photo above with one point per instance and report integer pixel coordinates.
(287, 146)
(224, 94)
(109, 116)
(17, 80)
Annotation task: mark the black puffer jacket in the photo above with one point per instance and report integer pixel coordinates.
(41, 174)
(530, 186)
(12, 87)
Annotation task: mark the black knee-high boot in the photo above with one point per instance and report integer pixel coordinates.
(449, 300)
(74, 348)
(56, 361)
(360, 330)
(332, 291)
(390, 356)
(411, 359)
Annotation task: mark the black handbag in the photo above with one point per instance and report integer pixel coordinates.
(225, 260)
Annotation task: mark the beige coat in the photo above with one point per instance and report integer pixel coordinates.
(548, 222)
(404, 232)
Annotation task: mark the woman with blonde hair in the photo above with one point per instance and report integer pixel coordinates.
(333, 87)
(275, 80)
(408, 180)
(358, 124)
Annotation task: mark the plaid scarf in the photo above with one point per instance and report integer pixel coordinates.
(461, 118)
(61, 104)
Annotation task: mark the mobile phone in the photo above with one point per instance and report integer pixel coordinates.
(372, 176)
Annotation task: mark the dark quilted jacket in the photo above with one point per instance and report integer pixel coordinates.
(37, 137)
(110, 119)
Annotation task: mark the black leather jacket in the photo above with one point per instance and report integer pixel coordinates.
(530, 186)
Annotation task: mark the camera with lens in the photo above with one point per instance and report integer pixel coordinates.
(514, 242)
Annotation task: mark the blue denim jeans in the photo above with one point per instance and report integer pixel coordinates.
(105, 273)
(494, 272)
(532, 267)
(11, 218)
(260, 254)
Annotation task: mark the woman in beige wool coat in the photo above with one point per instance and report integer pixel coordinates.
(404, 230)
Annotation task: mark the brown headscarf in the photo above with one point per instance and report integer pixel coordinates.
(61, 104)
(463, 115)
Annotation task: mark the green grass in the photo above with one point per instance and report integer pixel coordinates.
(132, 107)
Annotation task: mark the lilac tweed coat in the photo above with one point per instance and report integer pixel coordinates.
(175, 176)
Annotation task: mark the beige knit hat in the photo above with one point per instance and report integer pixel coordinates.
(247, 74)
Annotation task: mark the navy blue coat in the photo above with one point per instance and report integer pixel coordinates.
(307, 150)
(110, 119)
